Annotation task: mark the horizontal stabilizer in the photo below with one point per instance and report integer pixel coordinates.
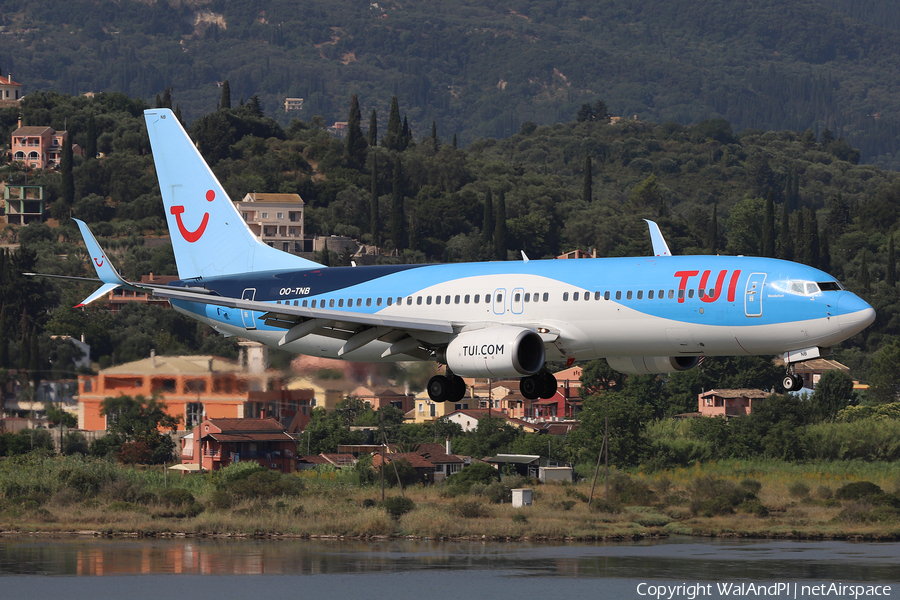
(102, 291)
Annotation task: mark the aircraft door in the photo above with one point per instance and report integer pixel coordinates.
(499, 300)
(248, 316)
(517, 303)
(753, 295)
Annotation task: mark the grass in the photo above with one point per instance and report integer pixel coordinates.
(762, 498)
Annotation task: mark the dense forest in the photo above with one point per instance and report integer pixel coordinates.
(483, 68)
(586, 183)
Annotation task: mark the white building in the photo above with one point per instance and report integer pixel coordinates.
(277, 219)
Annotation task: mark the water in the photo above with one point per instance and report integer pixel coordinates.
(135, 569)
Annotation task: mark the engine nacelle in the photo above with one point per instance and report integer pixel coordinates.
(650, 365)
(496, 352)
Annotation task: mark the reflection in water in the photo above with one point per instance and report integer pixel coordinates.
(675, 559)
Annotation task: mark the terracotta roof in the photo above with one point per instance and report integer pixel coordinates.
(743, 393)
(416, 460)
(280, 198)
(247, 425)
(33, 130)
(313, 460)
(7, 81)
(174, 365)
(820, 364)
(560, 428)
(265, 436)
(339, 460)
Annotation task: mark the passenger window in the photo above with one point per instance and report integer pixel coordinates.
(565, 296)
(409, 300)
(606, 295)
(640, 295)
(437, 300)
(487, 298)
(691, 293)
(546, 297)
(701, 292)
(359, 301)
(447, 299)
(341, 303)
(650, 295)
(527, 297)
(331, 303)
(618, 295)
(517, 297)
(660, 294)
(378, 302)
(587, 295)
(304, 303)
(671, 294)
(466, 299)
(296, 303)
(536, 297)
(390, 300)
(400, 300)
(476, 298)
(628, 295)
(574, 296)
(456, 299)
(597, 295)
(499, 298)
(418, 299)
(681, 294)
(428, 300)
(313, 304)
(368, 302)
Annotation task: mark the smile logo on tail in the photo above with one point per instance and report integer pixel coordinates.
(192, 236)
(99, 261)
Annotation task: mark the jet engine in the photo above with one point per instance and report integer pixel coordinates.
(648, 365)
(496, 352)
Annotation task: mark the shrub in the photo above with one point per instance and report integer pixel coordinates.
(369, 503)
(264, 484)
(176, 497)
(824, 493)
(798, 490)
(606, 506)
(221, 499)
(520, 518)
(563, 505)
(751, 485)
(498, 493)
(627, 490)
(753, 507)
(653, 520)
(469, 510)
(397, 506)
(477, 473)
(573, 493)
(720, 505)
(857, 490)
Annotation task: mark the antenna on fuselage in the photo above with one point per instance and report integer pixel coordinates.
(660, 248)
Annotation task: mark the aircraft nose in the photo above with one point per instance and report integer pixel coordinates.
(854, 313)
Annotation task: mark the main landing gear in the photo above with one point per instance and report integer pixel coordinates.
(540, 385)
(446, 388)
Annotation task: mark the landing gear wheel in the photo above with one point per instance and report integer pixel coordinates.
(791, 382)
(549, 386)
(440, 388)
(531, 386)
(458, 388)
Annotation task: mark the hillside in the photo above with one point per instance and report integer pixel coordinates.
(482, 68)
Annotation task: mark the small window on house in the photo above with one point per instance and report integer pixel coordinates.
(280, 215)
(265, 215)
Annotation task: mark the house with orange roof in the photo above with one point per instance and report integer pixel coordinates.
(38, 146)
(10, 92)
(729, 403)
(217, 443)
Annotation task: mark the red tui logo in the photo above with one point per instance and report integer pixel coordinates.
(192, 236)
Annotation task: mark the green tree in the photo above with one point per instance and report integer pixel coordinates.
(884, 376)
(372, 133)
(833, 392)
(399, 228)
(587, 184)
(768, 232)
(374, 217)
(500, 230)
(225, 102)
(355, 145)
(67, 182)
(712, 232)
(891, 274)
(392, 139)
(135, 429)
(488, 223)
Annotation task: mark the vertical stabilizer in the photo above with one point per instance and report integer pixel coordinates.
(209, 236)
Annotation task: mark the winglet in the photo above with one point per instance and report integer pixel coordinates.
(105, 271)
(660, 248)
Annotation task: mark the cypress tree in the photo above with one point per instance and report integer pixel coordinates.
(587, 189)
(225, 102)
(487, 226)
(788, 190)
(4, 343)
(67, 185)
(768, 233)
(712, 233)
(801, 234)
(892, 263)
(372, 134)
(405, 135)
(454, 142)
(812, 227)
(500, 230)
(864, 278)
(434, 138)
(825, 252)
(375, 222)
(391, 139)
(399, 229)
(90, 142)
(34, 357)
(355, 147)
(785, 243)
(166, 101)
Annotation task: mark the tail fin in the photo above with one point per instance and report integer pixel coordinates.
(105, 271)
(209, 235)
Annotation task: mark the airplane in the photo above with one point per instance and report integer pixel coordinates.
(644, 315)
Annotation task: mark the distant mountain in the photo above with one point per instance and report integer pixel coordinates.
(481, 68)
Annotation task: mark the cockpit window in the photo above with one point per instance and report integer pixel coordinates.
(806, 288)
(811, 288)
(830, 286)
